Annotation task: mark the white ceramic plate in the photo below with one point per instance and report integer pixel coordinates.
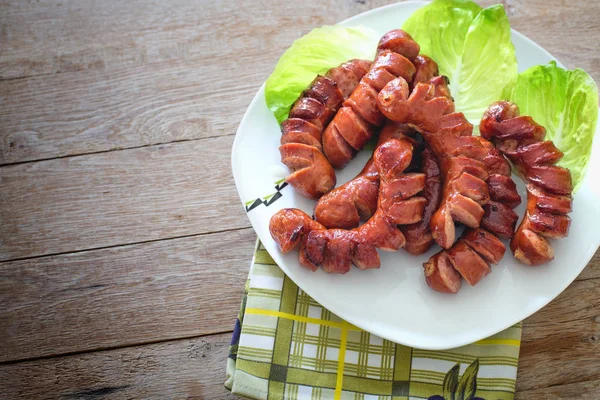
(394, 301)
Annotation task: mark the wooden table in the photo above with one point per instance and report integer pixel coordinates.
(123, 244)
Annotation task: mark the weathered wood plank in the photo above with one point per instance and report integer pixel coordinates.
(122, 98)
(93, 111)
(191, 369)
(143, 82)
(561, 342)
(581, 390)
(123, 295)
(138, 32)
(119, 197)
(192, 286)
(570, 34)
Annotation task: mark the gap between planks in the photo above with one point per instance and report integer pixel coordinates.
(115, 198)
(125, 244)
(109, 348)
(93, 372)
(123, 296)
(9, 164)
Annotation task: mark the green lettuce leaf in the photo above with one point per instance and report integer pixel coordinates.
(440, 29)
(315, 53)
(565, 102)
(488, 63)
(472, 47)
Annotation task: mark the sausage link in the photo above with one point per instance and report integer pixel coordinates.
(399, 42)
(301, 149)
(477, 248)
(359, 118)
(549, 186)
(418, 235)
(469, 264)
(430, 110)
(345, 206)
(472, 172)
(335, 250)
(440, 275)
(426, 69)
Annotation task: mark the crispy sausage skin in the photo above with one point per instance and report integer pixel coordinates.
(425, 69)
(440, 275)
(464, 172)
(301, 150)
(477, 188)
(418, 235)
(471, 255)
(359, 118)
(336, 249)
(356, 200)
(345, 206)
(477, 248)
(499, 217)
(549, 186)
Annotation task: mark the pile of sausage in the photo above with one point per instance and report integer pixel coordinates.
(427, 174)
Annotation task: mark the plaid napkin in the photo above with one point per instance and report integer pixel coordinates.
(287, 346)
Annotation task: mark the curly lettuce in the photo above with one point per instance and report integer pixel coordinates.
(565, 102)
(314, 53)
(472, 47)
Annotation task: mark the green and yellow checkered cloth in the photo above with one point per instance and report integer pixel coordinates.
(287, 346)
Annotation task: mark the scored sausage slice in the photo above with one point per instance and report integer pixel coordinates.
(360, 111)
(484, 243)
(549, 186)
(312, 174)
(440, 275)
(468, 263)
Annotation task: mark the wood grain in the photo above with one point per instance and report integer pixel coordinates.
(87, 112)
(561, 342)
(123, 295)
(133, 33)
(190, 369)
(119, 197)
(592, 270)
(580, 390)
(93, 77)
(137, 32)
(139, 83)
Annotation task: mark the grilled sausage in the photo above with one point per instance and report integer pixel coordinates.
(449, 134)
(301, 149)
(426, 69)
(440, 275)
(472, 171)
(549, 186)
(345, 206)
(336, 249)
(356, 200)
(359, 118)
(418, 235)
